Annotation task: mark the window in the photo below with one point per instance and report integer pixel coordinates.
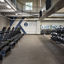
(1, 0)
(28, 6)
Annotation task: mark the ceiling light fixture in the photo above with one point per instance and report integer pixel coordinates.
(8, 6)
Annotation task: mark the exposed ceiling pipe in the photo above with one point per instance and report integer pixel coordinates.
(40, 3)
(53, 19)
(53, 9)
(6, 10)
(10, 4)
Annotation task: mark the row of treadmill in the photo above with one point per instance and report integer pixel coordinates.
(8, 39)
(58, 35)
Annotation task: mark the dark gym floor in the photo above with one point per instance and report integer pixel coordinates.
(35, 49)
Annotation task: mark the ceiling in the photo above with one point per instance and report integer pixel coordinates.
(55, 12)
(7, 8)
(37, 4)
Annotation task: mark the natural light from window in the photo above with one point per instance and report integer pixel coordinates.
(28, 6)
(1, 0)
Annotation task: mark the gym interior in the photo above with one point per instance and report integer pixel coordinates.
(31, 31)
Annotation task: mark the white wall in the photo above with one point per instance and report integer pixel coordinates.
(3, 22)
(33, 27)
(52, 22)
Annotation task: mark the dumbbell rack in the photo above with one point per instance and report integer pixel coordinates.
(9, 41)
(58, 35)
